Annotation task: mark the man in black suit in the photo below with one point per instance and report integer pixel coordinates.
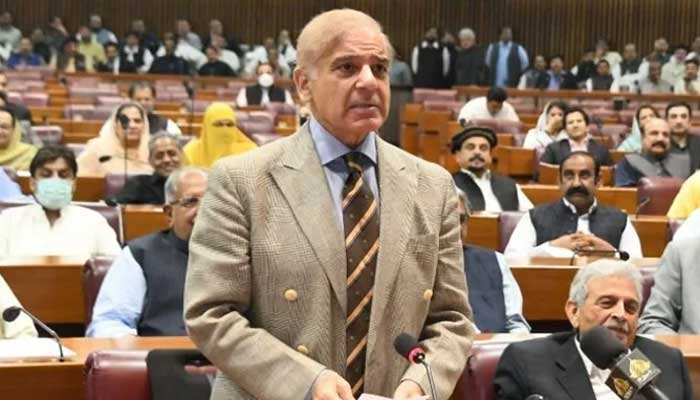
(113, 62)
(576, 127)
(678, 115)
(604, 293)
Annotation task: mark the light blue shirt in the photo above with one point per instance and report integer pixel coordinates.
(330, 151)
(502, 62)
(554, 81)
(120, 301)
(10, 190)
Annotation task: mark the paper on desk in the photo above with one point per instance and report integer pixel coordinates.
(31, 350)
(374, 397)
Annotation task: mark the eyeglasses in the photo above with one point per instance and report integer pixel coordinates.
(187, 202)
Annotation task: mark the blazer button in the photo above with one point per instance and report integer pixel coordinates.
(303, 350)
(291, 295)
(428, 294)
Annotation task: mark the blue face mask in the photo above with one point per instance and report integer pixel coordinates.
(54, 193)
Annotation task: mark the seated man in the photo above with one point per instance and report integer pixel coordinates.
(214, 66)
(23, 326)
(264, 91)
(655, 160)
(165, 156)
(113, 62)
(678, 116)
(603, 79)
(688, 84)
(604, 293)
(577, 223)
(493, 106)
(576, 128)
(142, 292)
(487, 191)
(144, 94)
(688, 198)
(54, 226)
(494, 294)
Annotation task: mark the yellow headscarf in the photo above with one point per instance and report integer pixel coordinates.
(17, 155)
(216, 142)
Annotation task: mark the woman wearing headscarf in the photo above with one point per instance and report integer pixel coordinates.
(549, 126)
(107, 153)
(219, 138)
(633, 142)
(13, 153)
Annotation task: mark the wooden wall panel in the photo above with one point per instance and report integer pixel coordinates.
(543, 26)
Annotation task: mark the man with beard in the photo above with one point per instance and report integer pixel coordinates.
(678, 117)
(485, 190)
(578, 222)
(144, 94)
(605, 293)
(430, 62)
(655, 159)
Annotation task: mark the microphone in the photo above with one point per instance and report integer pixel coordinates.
(123, 121)
(189, 88)
(408, 347)
(631, 372)
(11, 313)
(623, 255)
(105, 158)
(644, 202)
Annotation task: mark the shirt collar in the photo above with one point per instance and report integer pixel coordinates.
(590, 368)
(573, 208)
(330, 149)
(485, 177)
(435, 44)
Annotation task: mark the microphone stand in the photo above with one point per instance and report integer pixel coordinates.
(190, 93)
(431, 380)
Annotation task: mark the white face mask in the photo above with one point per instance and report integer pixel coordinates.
(266, 80)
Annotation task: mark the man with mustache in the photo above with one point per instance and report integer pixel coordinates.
(486, 190)
(604, 293)
(655, 160)
(577, 223)
(576, 123)
(678, 116)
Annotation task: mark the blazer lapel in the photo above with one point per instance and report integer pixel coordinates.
(302, 181)
(572, 374)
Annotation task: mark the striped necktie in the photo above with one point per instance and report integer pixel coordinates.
(361, 223)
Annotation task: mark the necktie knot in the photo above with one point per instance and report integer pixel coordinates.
(354, 162)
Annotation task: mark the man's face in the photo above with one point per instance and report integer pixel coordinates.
(603, 69)
(144, 97)
(466, 42)
(575, 126)
(165, 156)
(679, 119)
(25, 46)
(264, 69)
(656, 138)
(85, 34)
(691, 71)
(182, 27)
(540, 63)
(132, 134)
(37, 35)
(283, 37)
(169, 46)
(577, 182)
(5, 19)
(138, 26)
(349, 87)
(431, 35)
(7, 129)
(680, 54)
(216, 27)
(556, 65)
(191, 188)
(654, 71)
(630, 52)
(212, 54)
(111, 52)
(474, 155)
(494, 106)
(57, 168)
(269, 43)
(612, 302)
(661, 45)
(506, 34)
(95, 22)
(132, 41)
(273, 56)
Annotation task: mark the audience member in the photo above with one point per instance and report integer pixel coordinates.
(430, 61)
(89, 47)
(216, 29)
(122, 144)
(264, 91)
(689, 84)
(603, 79)
(491, 106)
(69, 60)
(674, 69)
(13, 153)
(19, 110)
(228, 56)
(56, 34)
(470, 64)
(147, 39)
(605, 293)
(603, 52)
(170, 62)
(113, 62)
(575, 123)
(165, 156)
(556, 77)
(586, 67)
(678, 116)
(485, 189)
(54, 226)
(660, 52)
(279, 65)
(631, 63)
(214, 66)
(9, 34)
(494, 294)
(506, 60)
(40, 45)
(286, 48)
(135, 53)
(577, 223)
(144, 94)
(184, 33)
(448, 42)
(256, 56)
(688, 198)
(694, 49)
(549, 126)
(400, 72)
(220, 137)
(23, 326)
(653, 83)
(534, 75)
(655, 160)
(25, 56)
(142, 292)
(102, 34)
(633, 141)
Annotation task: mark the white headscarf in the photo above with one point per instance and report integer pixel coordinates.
(109, 143)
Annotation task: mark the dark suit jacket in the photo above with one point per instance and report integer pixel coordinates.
(552, 367)
(557, 151)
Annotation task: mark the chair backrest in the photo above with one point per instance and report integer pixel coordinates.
(113, 215)
(656, 194)
(507, 221)
(169, 379)
(116, 375)
(673, 225)
(647, 283)
(251, 127)
(94, 273)
(476, 382)
(48, 134)
(114, 184)
(422, 94)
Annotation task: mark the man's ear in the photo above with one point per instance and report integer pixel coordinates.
(302, 81)
(572, 309)
(168, 211)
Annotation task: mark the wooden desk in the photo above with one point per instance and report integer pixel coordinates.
(141, 220)
(483, 230)
(59, 381)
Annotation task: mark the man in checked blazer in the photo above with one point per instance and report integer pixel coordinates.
(268, 284)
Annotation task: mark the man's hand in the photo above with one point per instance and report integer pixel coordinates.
(331, 386)
(571, 241)
(598, 243)
(408, 390)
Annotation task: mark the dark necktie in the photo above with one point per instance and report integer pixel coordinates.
(361, 223)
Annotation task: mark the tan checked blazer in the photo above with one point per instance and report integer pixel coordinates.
(265, 293)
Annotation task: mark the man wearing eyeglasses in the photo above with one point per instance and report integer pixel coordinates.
(142, 292)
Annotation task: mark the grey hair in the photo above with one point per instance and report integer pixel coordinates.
(162, 135)
(173, 181)
(466, 33)
(599, 269)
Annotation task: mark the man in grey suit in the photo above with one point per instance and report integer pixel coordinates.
(311, 254)
(674, 306)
